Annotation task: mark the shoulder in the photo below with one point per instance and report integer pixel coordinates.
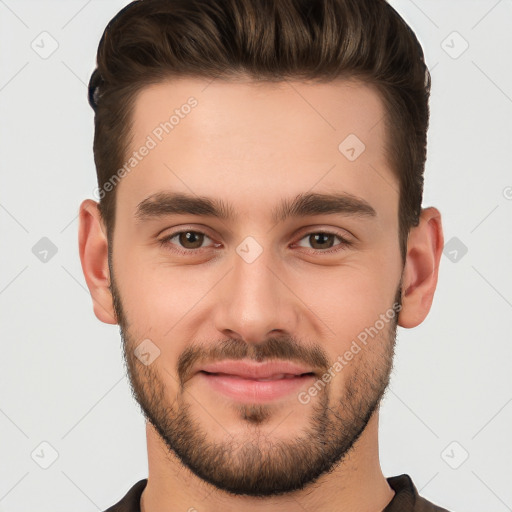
(406, 497)
(131, 500)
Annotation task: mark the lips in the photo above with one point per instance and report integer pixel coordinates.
(270, 370)
(249, 381)
(279, 376)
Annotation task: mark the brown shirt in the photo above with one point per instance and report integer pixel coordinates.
(406, 498)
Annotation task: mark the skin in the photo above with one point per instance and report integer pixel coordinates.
(251, 145)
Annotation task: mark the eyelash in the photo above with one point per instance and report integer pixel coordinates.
(165, 242)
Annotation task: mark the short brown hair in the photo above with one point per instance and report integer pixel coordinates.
(149, 41)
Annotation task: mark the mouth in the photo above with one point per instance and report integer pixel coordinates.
(255, 382)
(268, 370)
(278, 376)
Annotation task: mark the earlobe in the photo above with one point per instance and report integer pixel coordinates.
(93, 248)
(424, 250)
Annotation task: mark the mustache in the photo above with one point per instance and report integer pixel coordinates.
(285, 348)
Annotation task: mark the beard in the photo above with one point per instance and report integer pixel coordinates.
(256, 463)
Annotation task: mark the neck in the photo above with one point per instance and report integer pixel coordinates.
(356, 484)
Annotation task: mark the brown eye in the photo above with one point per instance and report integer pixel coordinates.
(184, 241)
(322, 241)
(191, 239)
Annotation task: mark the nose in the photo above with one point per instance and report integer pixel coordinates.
(254, 301)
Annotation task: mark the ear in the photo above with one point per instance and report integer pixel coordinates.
(424, 249)
(93, 247)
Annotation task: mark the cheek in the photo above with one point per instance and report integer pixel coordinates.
(347, 306)
(351, 295)
(157, 296)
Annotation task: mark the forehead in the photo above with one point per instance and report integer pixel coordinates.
(310, 111)
(271, 139)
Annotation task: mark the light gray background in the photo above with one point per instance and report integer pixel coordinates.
(61, 373)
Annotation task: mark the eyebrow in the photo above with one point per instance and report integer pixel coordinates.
(161, 204)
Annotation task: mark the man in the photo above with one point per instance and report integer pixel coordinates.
(259, 237)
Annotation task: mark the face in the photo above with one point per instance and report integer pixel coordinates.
(256, 275)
